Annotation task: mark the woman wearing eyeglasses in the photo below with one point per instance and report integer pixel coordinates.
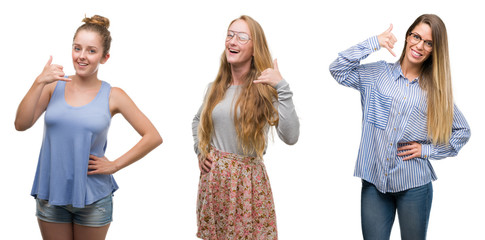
(230, 133)
(408, 118)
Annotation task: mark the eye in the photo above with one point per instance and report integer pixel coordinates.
(76, 49)
(417, 37)
(243, 36)
(429, 44)
(92, 51)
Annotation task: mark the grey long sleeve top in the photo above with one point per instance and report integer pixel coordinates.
(224, 136)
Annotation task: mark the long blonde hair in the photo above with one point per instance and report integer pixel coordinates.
(254, 107)
(435, 78)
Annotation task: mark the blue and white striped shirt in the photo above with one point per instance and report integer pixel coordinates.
(394, 112)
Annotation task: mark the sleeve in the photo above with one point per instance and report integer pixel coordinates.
(460, 134)
(348, 71)
(195, 123)
(288, 128)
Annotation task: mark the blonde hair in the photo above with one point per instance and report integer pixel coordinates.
(254, 107)
(435, 78)
(100, 25)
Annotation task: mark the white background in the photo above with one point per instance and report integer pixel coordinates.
(164, 53)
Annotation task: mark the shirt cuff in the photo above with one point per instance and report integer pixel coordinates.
(426, 150)
(374, 44)
(281, 84)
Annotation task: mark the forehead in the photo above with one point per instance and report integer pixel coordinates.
(85, 37)
(240, 26)
(424, 30)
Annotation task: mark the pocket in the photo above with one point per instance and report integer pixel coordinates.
(378, 109)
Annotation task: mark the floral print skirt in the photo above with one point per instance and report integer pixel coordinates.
(235, 200)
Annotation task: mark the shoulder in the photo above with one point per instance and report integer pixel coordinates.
(117, 95)
(117, 92)
(118, 99)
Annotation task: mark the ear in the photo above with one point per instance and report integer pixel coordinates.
(105, 58)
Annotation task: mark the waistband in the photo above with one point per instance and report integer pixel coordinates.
(216, 153)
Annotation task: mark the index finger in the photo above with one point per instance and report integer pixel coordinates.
(405, 147)
(393, 38)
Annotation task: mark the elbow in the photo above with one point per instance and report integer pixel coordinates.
(20, 127)
(157, 140)
(152, 140)
(292, 140)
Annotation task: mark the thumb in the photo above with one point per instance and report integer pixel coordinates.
(389, 29)
(49, 61)
(275, 64)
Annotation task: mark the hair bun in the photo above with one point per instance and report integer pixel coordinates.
(97, 20)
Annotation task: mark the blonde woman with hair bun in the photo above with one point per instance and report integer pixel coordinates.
(73, 184)
(230, 132)
(409, 118)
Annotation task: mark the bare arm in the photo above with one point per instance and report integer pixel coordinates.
(120, 102)
(37, 98)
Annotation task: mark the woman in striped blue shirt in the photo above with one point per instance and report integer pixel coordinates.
(408, 118)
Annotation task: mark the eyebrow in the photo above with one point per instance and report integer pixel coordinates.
(77, 44)
(237, 31)
(422, 37)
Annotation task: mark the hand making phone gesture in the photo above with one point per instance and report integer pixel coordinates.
(270, 76)
(387, 40)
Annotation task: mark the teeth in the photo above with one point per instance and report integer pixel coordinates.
(83, 64)
(416, 53)
(233, 51)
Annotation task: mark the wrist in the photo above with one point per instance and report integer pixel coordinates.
(117, 166)
(39, 81)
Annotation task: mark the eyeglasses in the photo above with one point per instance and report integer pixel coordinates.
(416, 38)
(242, 37)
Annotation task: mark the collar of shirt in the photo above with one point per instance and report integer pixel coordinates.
(397, 72)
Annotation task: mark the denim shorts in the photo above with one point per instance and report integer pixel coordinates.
(97, 214)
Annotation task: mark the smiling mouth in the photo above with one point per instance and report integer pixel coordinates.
(233, 51)
(83, 64)
(416, 54)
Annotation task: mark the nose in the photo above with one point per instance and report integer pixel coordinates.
(82, 55)
(420, 44)
(233, 40)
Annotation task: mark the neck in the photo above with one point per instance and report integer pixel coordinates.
(410, 71)
(239, 72)
(85, 81)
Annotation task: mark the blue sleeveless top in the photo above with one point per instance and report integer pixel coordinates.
(70, 135)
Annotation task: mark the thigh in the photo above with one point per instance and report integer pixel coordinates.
(92, 233)
(55, 231)
(378, 211)
(414, 207)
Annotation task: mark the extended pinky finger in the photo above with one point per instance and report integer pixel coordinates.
(64, 79)
(390, 50)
